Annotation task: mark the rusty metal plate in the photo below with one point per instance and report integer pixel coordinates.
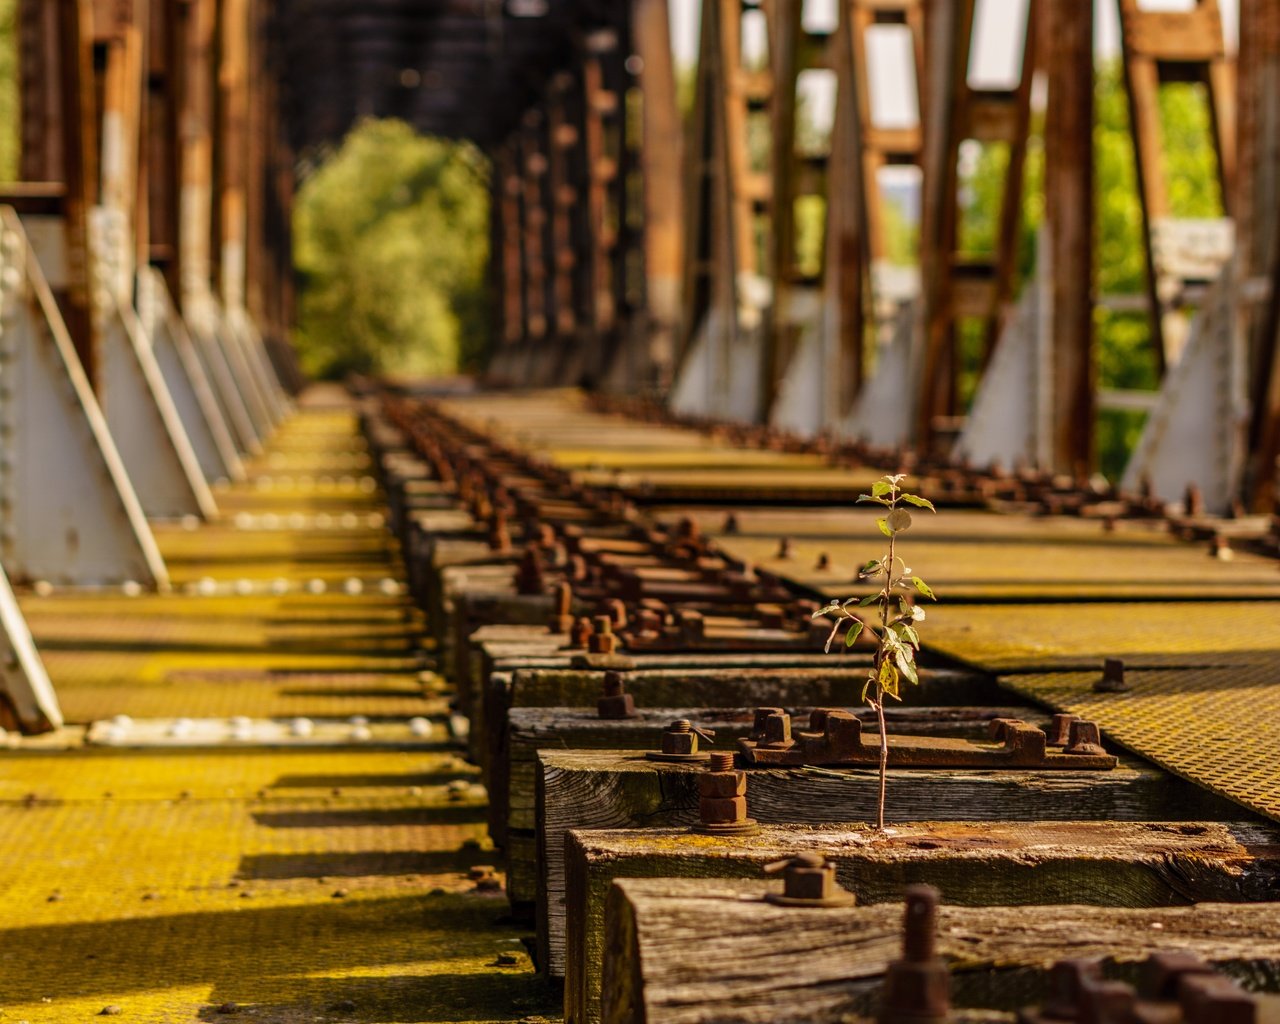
(835, 738)
(1218, 727)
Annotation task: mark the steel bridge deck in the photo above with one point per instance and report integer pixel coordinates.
(322, 884)
(1037, 601)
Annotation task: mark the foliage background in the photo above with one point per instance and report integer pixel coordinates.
(391, 244)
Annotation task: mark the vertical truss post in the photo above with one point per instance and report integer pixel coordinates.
(79, 172)
(1257, 214)
(785, 62)
(161, 167)
(661, 146)
(40, 91)
(604, 145)
(720, 359)
(533, 173)
(196, 227)
(561, 139)
(1069, 222)
(506, 188)
(856, 254)
(1175, 46)
(958, 285)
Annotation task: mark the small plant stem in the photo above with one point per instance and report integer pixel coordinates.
(885, 597)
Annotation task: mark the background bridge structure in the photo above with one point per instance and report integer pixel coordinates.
(401, 606)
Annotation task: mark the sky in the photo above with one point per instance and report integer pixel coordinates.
(994, 63)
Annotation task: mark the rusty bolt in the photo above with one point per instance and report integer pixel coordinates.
(1163, 972)
(772, 728)
(529, 578)
(617, 612)
(1059, 730)
(1193, 500)
(1066, 980)
(603, 640)
(562, 617)
(580, 634)
(1112, 680)
(808, 880)
(692, 625)
(680, 742)
(1085, 738)
(1214, 999)
(917, 988)
(722, 798)
(999, 728)
(499, 537)
(614, 702)
(688, 531)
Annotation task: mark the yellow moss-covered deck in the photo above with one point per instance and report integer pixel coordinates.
(301, 885)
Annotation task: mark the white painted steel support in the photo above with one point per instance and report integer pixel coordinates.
(241, 359)
(144, 422)
(1197, 432)
(188, 385)
(24, 683)
(807, 396)
(883, 413)
(261, 379)
(207, 329)
(70, 513)
(135, 400)
(1011, 419)
(720, 375)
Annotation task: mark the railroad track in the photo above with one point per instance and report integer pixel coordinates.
(599, 577)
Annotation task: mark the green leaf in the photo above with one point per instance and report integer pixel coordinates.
(833, 606)
(866, 686)
(854, 630)
(923, 587)
(917, 613)
(896, 478)
(872, 568)
(869, 600)
(888, 678)
(879, 501)
(909, 633)
(884, 527)
(917, 501)
(905, 666)
(880, 488)
(898, 520)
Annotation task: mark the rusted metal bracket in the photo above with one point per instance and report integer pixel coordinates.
(834, 737)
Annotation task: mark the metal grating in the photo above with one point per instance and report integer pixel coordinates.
(1101, 567)
(1063, 637)
(1207, 725)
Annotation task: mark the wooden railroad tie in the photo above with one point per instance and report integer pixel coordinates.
(755, 960)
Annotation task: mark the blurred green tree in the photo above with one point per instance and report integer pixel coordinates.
(391, 245)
